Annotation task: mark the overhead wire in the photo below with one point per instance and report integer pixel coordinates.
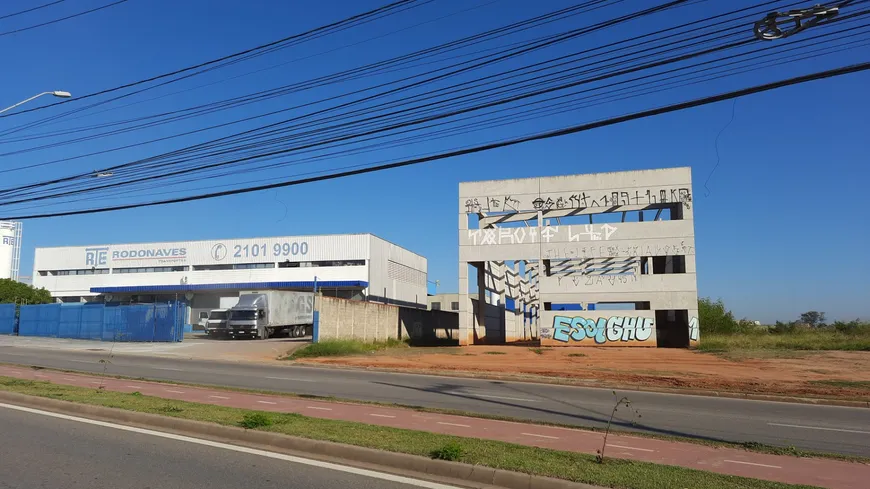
(38, 7)
(705, 74)
(855, 68)
(55, 21)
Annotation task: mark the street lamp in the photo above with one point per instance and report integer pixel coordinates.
(56, 93)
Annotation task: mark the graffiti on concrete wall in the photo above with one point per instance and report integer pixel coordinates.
(615, 329)
(583, 280)
(566, 251)
(579, 200)
(524, 235)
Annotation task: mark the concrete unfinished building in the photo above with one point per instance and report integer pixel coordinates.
(603, 259)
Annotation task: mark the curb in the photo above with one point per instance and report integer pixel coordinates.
(588, 384)
(398, 463)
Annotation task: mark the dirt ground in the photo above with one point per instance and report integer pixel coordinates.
(808, 374)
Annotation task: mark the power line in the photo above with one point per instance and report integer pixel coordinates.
(487, 147)
(222, 58)
(14, 14)
(55, 21)
(285, 151)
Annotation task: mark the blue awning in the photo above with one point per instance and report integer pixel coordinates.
(329, 284)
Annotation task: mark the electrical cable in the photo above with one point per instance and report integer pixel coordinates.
(855, 68)
(55, 21)
(14, 14)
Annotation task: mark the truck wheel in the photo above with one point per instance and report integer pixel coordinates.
(300, 331)
(266, 333)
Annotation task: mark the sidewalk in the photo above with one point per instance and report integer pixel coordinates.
(827, 473)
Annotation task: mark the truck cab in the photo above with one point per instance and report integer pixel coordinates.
(249, 318)
(216, 324)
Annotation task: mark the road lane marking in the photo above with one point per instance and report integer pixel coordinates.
(70, 379)
(819, 428)
(174, 391)
(750, 463)
(290, 379)
(133, 386)
(267, 402)
(631, 448)
(542, 436)
(168, 368)
(95, 382)
(219, 397)
(382, 415)
(250, 451)
(318, 408)
(454, 424)
(81, 361)
(505, 398)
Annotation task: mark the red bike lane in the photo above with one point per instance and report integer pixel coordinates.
(833, 474)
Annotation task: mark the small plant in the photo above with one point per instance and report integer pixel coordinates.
(451, 452)
(170, 409)
(494, 353)
(576, 354)
(137, 394)
(537, 351)
(253, 421)
(620, 401)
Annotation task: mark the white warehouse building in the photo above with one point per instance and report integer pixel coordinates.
(211, 274)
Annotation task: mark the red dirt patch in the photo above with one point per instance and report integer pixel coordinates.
(810, 374)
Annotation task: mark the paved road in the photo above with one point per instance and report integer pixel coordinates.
(825, 428)
(43, 451)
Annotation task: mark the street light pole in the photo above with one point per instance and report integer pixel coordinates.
(56, 93)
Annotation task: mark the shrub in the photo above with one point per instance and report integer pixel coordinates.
(451, 452)
(255, 420)
(715, 318)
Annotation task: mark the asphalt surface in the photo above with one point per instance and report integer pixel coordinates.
(824, 428)
(41, 451)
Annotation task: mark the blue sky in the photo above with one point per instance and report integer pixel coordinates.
(782, 229)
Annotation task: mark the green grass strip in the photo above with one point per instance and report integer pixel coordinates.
(337, 348)
(577, 467)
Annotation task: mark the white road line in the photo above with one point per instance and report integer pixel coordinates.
(82, 361)
(382, 415)
(541, 436)
(169, 368)
(290, 378)
(454, 424)
(318, 408)
(750, 463)
(176, 392)
(631, 448)
(267, 402)
(251, 451)
(70, 379)
(819, 428)
(505, 398)
(219, 397)
(133, 386)
(95, 382)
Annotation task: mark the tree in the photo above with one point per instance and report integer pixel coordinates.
(16, 292)
(813, 318)
(715, 318)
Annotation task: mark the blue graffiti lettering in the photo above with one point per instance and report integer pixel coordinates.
(602, 330)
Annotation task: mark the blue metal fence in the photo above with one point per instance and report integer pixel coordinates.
(143, 322)
(7, 319)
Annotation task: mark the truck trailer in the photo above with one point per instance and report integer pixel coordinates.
(271, 312)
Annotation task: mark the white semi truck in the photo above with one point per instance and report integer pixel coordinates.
(271, 312)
